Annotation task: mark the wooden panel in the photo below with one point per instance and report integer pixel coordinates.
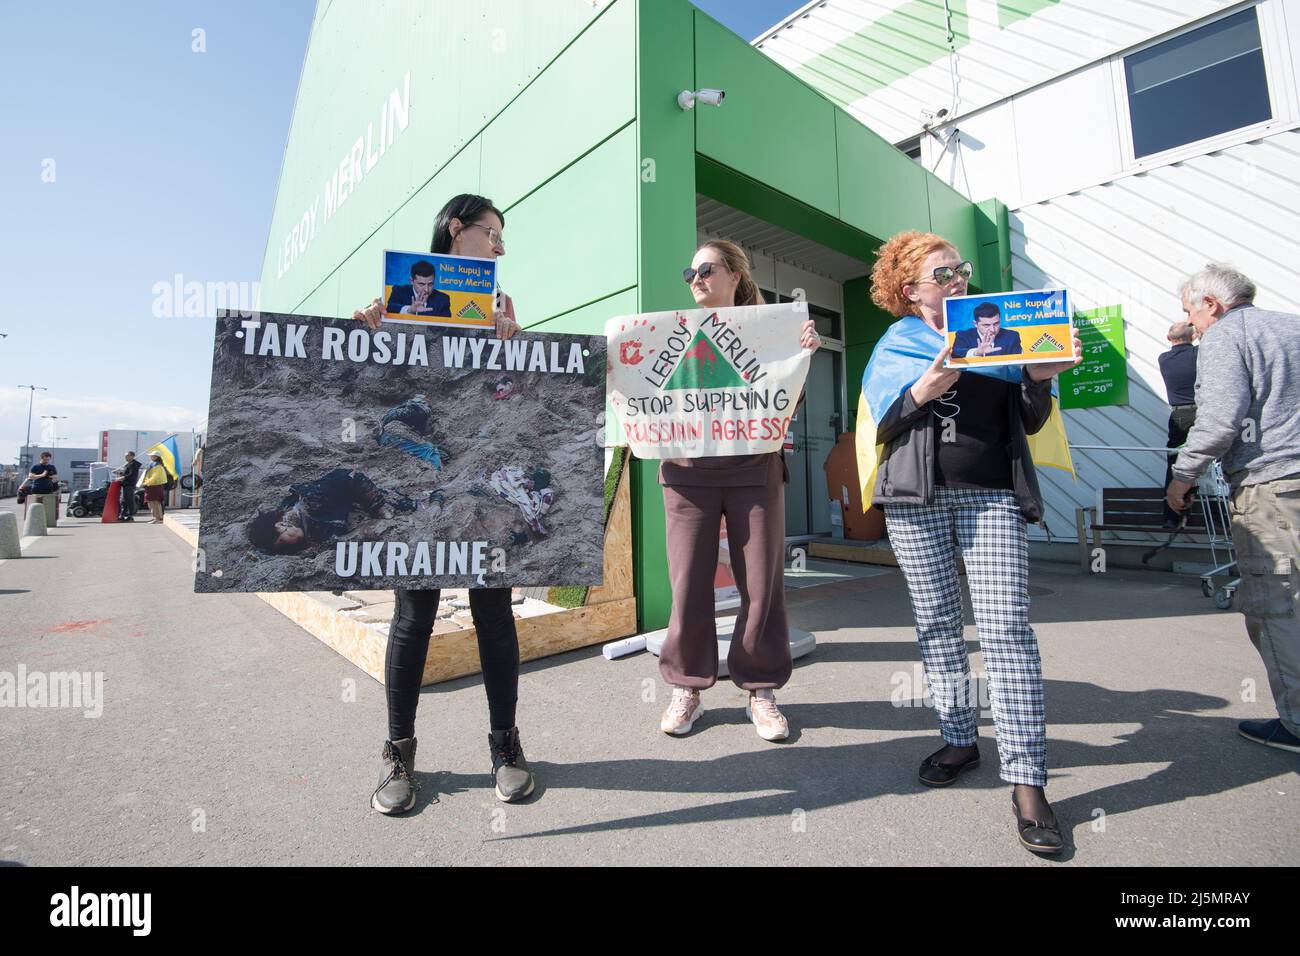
(618, 547)
(870, 552)
(361, 643)
(863, 552)
(456, 655)
(609, 615)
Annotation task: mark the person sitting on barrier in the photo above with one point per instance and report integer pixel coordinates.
(317, 511)
(43, 477)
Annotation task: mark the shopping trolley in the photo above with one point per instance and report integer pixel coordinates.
(1212, 490)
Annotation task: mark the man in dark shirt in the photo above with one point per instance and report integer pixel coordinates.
(43, 479)
(1178, 368)
(130, 472)
(44, 476)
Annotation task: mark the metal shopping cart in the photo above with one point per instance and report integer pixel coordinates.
(1212, 491)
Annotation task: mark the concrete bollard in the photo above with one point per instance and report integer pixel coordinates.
(10, 545)
(51, 503)
(35, 523)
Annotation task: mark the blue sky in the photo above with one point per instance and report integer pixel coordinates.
(130, 159)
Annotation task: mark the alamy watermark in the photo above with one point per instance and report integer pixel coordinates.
(62, 689)
(956, 691)
(178, 298)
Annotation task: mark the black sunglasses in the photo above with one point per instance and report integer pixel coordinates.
(704, 271)
(945, 274)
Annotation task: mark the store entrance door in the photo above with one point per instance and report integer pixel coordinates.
(807, 509)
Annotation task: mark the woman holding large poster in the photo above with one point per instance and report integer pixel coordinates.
(466, 226)
(946, 453)
(749, 490)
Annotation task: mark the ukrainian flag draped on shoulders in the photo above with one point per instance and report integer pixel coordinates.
(170, 454)
(901, 357)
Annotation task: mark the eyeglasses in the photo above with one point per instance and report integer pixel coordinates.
(494, 235)
(945, 274)
(704, 271)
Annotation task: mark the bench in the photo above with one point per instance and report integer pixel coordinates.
(1137, 510)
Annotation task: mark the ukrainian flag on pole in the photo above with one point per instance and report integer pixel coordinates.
(170, 454)
(901, 357)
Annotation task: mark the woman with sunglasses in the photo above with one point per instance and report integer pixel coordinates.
(956, 475)
(749, 490)
(466, 226)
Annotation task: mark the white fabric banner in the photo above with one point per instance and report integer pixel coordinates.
(697, 383)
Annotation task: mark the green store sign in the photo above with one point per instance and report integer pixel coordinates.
(1102, 378)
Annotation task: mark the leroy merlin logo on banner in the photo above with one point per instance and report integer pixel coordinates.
(700, 368)
(678, 367)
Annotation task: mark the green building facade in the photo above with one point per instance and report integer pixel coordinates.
(565, 114)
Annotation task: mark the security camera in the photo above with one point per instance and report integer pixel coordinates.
(686, 99)
(932, 118)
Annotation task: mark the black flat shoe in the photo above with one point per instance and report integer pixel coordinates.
(1037, 836)
(935, 774)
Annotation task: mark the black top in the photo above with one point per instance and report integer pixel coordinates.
(977, 452)
(130, 472)
(1178, 366)
(45, 483)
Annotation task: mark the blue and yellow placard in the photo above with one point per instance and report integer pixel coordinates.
(423, 288)
(1008, 328)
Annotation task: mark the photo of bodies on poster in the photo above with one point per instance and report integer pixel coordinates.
(1008, 328)
(421, 288)
(345, 458)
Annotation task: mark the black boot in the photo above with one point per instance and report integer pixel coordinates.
(396, 790)
(514, 781)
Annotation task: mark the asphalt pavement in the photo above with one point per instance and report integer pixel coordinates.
(227, 735)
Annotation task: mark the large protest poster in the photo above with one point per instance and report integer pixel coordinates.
(702, 382)
(1008, 328)
(344, 458)
(424, 288)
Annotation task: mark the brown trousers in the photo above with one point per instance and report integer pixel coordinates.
(760, 646)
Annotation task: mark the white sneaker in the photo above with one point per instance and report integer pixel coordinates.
(682, 712)
(767, 720)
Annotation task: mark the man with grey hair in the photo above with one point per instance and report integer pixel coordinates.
(1248, 414)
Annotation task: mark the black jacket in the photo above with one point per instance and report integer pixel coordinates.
(131, 473)
(906, 473)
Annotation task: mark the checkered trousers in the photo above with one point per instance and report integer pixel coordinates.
(988, 528)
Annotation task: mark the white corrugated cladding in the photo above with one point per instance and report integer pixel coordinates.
(996, 63)
(1048, 134)
(1132, 242)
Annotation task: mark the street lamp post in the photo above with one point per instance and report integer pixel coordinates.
(54, 428)
(27, 453)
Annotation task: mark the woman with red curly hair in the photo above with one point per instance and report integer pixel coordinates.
(954, 473)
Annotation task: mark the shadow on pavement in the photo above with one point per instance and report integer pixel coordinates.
(812, 778)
